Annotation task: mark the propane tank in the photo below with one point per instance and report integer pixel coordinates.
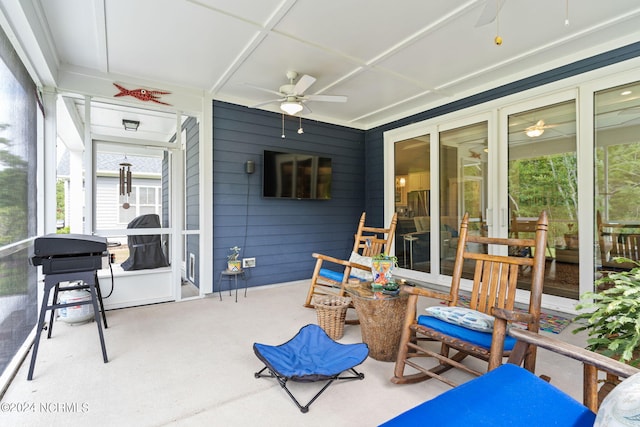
(75, 313)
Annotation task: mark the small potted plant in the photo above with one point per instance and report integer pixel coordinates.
(382, 266)
(233, 263)
(613, 314)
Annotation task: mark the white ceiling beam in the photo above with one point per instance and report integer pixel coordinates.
(101, 34)
(263, 32)
(26, 27)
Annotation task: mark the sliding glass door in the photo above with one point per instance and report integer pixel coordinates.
(543, 175)
(573, 153)
(464, 165)
(617, 160)
(431, 205)
(412, 202)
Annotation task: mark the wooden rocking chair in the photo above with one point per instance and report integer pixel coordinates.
(469, 332)
(369, 241)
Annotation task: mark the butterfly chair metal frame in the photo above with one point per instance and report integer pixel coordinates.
(494, 286)
(310, 356)
(368, 242)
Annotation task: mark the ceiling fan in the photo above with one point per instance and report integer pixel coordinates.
(292, 96)
(490, 12)
(537, 129)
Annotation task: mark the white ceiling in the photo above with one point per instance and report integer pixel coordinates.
(390, 58)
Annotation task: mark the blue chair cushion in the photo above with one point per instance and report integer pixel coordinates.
(311, 355)
(334, 275)
(507, 396)
(482, 339)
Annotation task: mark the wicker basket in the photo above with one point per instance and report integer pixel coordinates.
(331, 311)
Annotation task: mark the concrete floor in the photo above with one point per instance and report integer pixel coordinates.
(192, 364)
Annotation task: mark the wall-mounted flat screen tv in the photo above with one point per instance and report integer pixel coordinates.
(290, 175)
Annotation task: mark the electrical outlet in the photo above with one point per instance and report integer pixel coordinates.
(248, 262)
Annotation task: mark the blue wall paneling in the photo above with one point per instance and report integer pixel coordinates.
(281, 234)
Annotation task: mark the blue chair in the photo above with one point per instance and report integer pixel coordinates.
(311, 355)
(330, 274)
(461, 331)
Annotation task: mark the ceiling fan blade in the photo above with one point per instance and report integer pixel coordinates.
(271, 101)
(326, 98)
(490, 12)
(303, 84)
(306, 109)
(274, 92)
(630, 110)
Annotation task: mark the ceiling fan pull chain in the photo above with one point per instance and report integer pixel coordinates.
(498, 39)
(566, 13)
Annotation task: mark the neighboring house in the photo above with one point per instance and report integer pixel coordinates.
(145, 198)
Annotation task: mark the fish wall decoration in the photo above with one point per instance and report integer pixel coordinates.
(142, 94)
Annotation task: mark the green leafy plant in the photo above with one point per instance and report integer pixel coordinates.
(235, 252)
(612, 314)
(383, 256)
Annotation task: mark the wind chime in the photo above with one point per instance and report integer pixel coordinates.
(125, 181)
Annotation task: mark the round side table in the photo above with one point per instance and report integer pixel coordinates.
(381, 318)
(232, 275)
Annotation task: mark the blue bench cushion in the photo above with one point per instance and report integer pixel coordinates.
(507, 396)
(482, 339)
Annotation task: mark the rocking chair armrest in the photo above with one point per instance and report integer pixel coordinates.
(580, 354)
(424, 292)
(502, 317)
(330, 259)
(510, 315)
(359, 266)
(346, 263)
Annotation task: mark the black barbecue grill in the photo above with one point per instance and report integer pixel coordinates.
(73, 258)
(68, 253)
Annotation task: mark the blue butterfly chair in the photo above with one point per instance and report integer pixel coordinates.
(311, 355)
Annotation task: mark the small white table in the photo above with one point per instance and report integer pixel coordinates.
(232, 275)
(408, 238)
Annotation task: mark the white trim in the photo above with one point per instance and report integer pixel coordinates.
(192, 264)
(50, 163)
(205, 163)
(176, 218)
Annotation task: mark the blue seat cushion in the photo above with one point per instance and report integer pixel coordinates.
(334, 275)
(482, 339)
(507, 396)
(311, 355)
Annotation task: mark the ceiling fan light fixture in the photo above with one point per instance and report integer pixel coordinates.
(534, 132)
(130, 125)
(291, 107)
